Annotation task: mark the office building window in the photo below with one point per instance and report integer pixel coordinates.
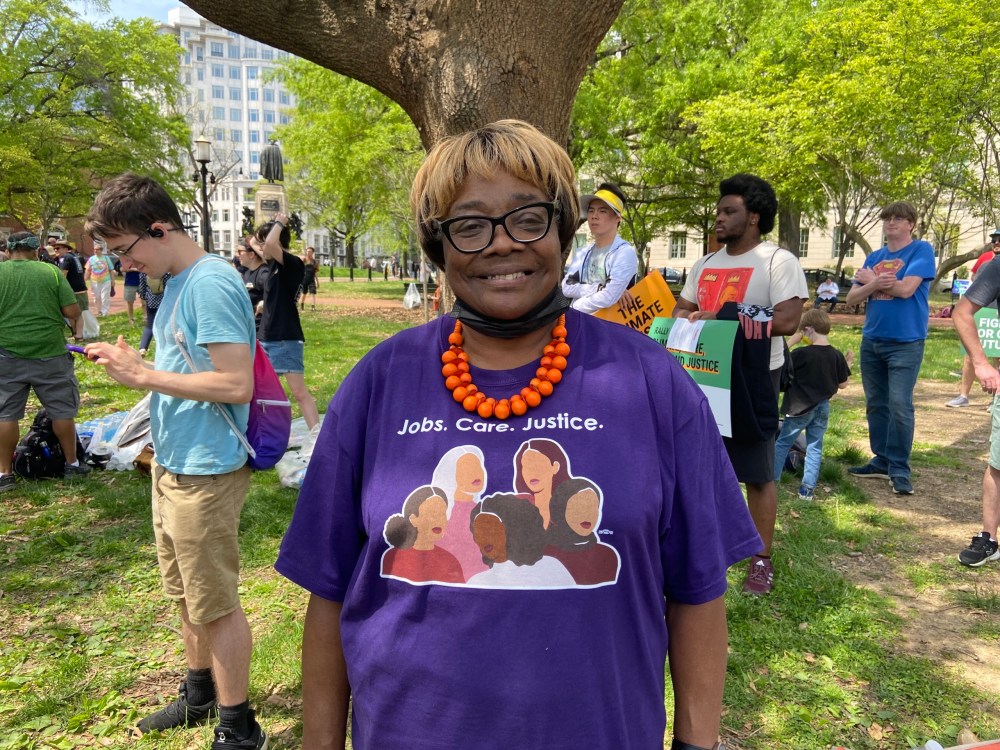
(199, 54)
(252, 72)
(235, 115)
(218, 92)
(255, 157)
(252, 94)
(187, 58)
(678, 245)
(218, 49)
(267, 53)
(215, 216)
(220, 135)
(253, 115)
(218, 71)
(249, 52)
(234, 52)
(200, 71)
(187, 77)
(235, 94)
(284, 119)
(254, 136)
(215, 238)
(803, 242)
(284, 98)
(837, 234)
(218, 113)
(225, 214)
(227, 238)
(269, 115)
(236, 136)
(234, 73)
(268, 95)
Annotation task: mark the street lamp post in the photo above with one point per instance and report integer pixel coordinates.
(203, 155)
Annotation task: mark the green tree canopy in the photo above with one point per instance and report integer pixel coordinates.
(82, 103)
(351, 152)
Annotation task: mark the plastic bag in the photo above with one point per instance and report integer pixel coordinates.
(292, 466)
(91, 328)
(411, 299)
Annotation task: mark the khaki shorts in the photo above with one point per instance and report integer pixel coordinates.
(196, 520)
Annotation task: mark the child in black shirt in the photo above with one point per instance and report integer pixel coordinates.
(820, 371)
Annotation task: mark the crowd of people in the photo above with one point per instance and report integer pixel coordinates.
(475, 479)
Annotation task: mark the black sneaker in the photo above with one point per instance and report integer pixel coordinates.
(981, 551)
(226, 739)
(180, 713)
(901, 486)
(868, 472)
(72, 472)
(6, 482)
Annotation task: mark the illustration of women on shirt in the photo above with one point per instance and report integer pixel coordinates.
(511, 539)
(412, 535)
(461, 474)
(571, 536)
(540, 466)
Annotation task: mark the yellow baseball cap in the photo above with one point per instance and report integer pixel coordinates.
(605, 196)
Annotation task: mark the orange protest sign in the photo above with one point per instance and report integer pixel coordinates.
(650, 298)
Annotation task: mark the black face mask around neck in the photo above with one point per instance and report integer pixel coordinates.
(550, 308)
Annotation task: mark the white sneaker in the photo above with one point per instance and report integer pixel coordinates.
(958, 401)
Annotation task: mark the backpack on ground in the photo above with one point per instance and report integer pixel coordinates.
(270, 422)
(39, 455)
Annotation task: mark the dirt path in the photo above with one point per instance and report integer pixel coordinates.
(944, 514)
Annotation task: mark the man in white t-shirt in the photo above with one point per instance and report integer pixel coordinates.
(600, 273)
(749, 271)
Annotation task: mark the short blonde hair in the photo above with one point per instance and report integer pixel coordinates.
(511, 146)
(816, 319)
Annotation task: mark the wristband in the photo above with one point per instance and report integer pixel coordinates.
(678, 745)
(280, 224)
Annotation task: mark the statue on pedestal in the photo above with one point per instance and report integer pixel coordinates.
(272, 168)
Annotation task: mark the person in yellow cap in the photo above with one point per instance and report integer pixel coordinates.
(598, 274)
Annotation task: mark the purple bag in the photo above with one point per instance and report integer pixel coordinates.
(270, 422)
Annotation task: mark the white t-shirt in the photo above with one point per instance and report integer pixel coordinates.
(763, 276)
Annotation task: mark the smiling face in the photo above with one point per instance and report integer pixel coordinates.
(429, 521)
(491, 537)
(537, 471)
(583, 512)
(469, 476)
(508, 278)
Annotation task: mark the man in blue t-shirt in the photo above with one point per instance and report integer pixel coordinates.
(895, 280)
(200, 477)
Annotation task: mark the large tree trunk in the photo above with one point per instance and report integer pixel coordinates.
(452, 65)
(789, 230)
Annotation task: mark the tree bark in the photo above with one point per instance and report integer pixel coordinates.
(451, 65)
(789, 230)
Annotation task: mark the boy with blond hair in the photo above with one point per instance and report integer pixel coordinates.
(819, 372)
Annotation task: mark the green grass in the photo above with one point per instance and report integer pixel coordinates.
(86, 635)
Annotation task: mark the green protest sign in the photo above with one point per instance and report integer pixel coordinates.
(709, 363)
(988, 326)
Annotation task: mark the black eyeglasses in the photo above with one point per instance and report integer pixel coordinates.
(127, 251)
(473, 234)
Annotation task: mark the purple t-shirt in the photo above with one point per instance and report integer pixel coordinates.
(522, 656)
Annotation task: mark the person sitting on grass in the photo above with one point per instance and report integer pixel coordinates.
(819, 372)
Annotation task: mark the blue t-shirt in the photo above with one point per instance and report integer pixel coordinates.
(560, 642)
(191, 437)
(891, 318)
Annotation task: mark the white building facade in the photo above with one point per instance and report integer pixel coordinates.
(232, 99)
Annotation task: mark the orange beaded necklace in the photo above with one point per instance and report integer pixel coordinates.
(458, 380)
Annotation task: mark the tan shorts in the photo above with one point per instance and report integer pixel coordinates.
(196, 520)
